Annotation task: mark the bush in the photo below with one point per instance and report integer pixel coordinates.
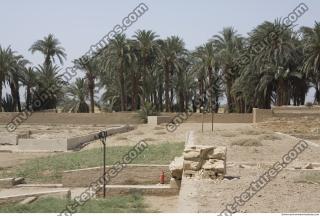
(309, 104)
(147, 110)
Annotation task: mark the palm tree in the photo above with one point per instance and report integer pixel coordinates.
(78, 91)
(91, 69)
(11, 66)
(311, 50)
(206, 66)
(6, 64)
(228, 44)
(117, 59)
(279, 57)
(29, 79)
(147, 49)
(50, 48)
(171, 49)
(49, 87)
(14, 77)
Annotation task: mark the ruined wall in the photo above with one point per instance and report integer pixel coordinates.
(260, 115)
(75, 118)
(217, 118)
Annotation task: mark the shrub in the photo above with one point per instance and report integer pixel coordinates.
(147, 110)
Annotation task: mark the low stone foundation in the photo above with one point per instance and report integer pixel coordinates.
(204, 162)
(199, 161)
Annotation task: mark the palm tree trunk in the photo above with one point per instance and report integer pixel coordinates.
(0, 95)
(18, 100)
(134, 93)
(47, 60)
(28, 100)
(187, 101)
(122, 88)
(282, 92)
(171, 92)
(14, 97)
(167, 89)
(160, 97)
(181, 101)
(210, 87)
(317, 94)
(91, 92)
(229, 97)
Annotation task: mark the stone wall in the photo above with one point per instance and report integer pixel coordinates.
(25, 144)
(75, 118)
(197, 118)
(260, 115)
(75, 142)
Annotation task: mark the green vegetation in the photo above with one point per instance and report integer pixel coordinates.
(48, 169)
(115, 204)
(311, 178)
(274, 64)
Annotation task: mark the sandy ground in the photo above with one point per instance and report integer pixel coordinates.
(161, 204)
(283, 194)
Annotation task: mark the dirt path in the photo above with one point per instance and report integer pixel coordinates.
(290, 191)
(161, 204)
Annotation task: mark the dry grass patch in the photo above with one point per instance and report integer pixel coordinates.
(312, 178)
(138, 133)
(228, 134)
(158, 128)
(121, 138)
(269, 137)
(246, 142)
(160, 133)
(149, 139)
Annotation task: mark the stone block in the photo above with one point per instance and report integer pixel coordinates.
(192, 154)
(8, 139)
(191, 165)
(174, 183)
(176, 168)
(219, 166)
(218, 153)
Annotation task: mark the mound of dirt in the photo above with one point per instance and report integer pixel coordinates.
(246, 142)
(252, 131)
(227, 134)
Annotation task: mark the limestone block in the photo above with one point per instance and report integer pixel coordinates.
(219, 166)
(218, 153)
(191, 165)
(206, 174)
(192, 154)
(174, 183)
(176, 167)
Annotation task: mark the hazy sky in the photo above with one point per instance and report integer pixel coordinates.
(80, 23)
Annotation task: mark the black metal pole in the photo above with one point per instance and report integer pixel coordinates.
(103, 137)
(104, 169)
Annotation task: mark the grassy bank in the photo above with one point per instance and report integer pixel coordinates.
(48, 169)
(115, 204)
